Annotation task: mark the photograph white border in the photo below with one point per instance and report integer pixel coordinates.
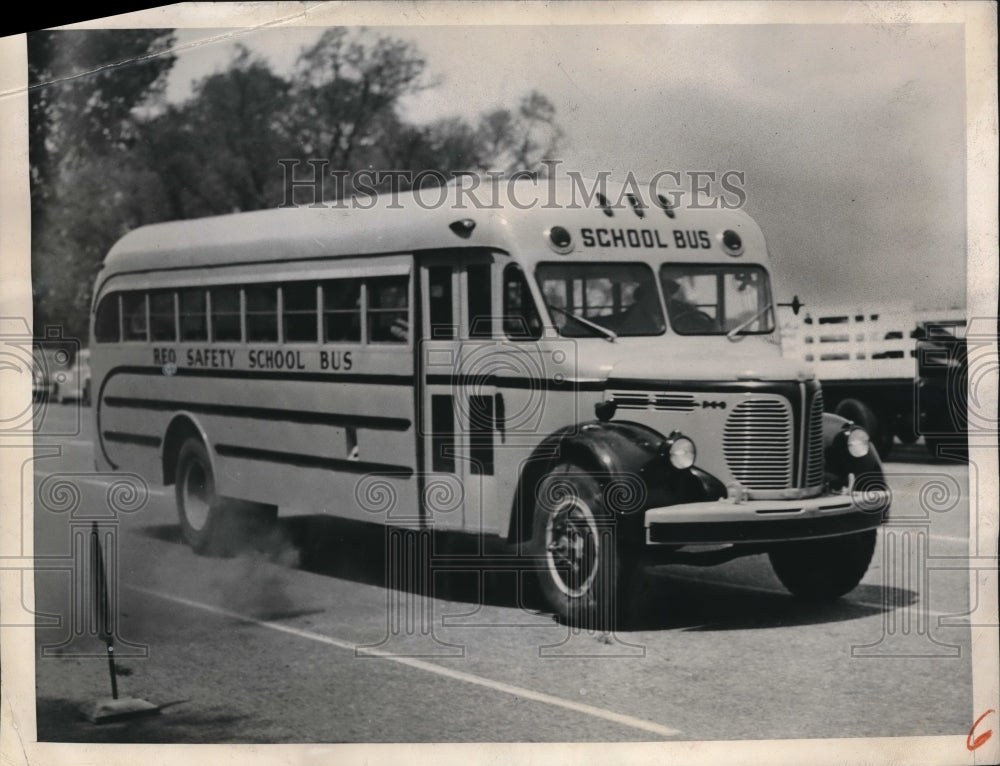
(17, 714)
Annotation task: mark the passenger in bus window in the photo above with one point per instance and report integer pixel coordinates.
(388, 303)
(685, 317)
(644, 316)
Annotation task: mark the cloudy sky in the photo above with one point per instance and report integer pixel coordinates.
(851, 136)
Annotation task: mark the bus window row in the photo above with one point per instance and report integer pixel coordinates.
(369, 310)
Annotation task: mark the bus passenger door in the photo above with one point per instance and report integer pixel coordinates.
(461, 408)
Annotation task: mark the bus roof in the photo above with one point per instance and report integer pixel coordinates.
(513, 216)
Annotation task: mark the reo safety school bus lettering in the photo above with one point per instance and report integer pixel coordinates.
(644, 238)
(257, 359)
(273, 359)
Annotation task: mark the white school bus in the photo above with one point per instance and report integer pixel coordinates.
(598, 385)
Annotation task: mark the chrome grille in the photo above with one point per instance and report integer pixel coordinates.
(644, 400)
(814, 458)
(757, 443)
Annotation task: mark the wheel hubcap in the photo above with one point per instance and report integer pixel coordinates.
(572, 547)
(196, 501)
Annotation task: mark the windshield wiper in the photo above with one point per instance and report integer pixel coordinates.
(732, 334)
(608, 334)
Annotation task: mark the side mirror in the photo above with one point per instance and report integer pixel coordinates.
(795, 304)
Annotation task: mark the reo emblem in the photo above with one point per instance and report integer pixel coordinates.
(713, 405)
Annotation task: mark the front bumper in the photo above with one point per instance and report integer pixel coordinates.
(757, 521)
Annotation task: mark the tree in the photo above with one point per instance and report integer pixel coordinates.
(86, 189)
(82, 89)
(219, 151)
(344, 89)
(519, 140)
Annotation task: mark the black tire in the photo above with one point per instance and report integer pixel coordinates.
(825, 569)
(210, 524)
(583, 577)
(906, 430)
(861, 414)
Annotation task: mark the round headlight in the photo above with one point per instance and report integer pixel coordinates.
(682, 453)
(858, 442)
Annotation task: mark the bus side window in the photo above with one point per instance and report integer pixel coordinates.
(480, 299)
(342, 310)
(262, 312)
(441, 304)
(134, 315)
(194, 325)
(106, 324)
(520, 315)
(388, 310)
(225, 313)
(299, 310)
(162, 323)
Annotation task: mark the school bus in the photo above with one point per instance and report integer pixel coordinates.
(595, 381)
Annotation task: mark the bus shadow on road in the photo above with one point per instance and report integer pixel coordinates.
(458, 570)
(670, 602)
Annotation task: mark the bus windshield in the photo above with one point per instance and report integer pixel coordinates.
(583, 298)
(716, 300)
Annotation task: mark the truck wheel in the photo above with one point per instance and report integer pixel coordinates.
(583, 577)
(825, 569)
(860, 413)
(214, 525)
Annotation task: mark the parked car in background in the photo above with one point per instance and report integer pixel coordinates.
(51, 363)
(73, 383)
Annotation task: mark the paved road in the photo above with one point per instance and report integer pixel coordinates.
(299, 644)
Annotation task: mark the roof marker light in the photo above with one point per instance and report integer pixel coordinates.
(665, 204)
(636, 205)
(463, 227)
(605, 205)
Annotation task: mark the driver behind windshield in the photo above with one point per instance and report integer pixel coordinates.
(644, 316)
(685, 316)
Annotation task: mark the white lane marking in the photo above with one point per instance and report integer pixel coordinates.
(103, 482)
(429, 667)
(780, 592)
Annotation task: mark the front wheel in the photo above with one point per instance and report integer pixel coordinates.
(825, 569)
(583, 576)
(210, 524)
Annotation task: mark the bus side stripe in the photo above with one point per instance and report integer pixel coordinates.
(311, 377)
(532, 383)
(373, 422)
(313, 461)
(127, 438)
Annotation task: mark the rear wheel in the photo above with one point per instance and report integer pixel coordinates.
(583, 577)
(825, 569)
(210, 524)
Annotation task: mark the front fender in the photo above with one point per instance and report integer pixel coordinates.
(618, 451)
(840, 464)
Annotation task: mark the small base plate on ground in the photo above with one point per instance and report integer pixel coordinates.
(108, 710)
